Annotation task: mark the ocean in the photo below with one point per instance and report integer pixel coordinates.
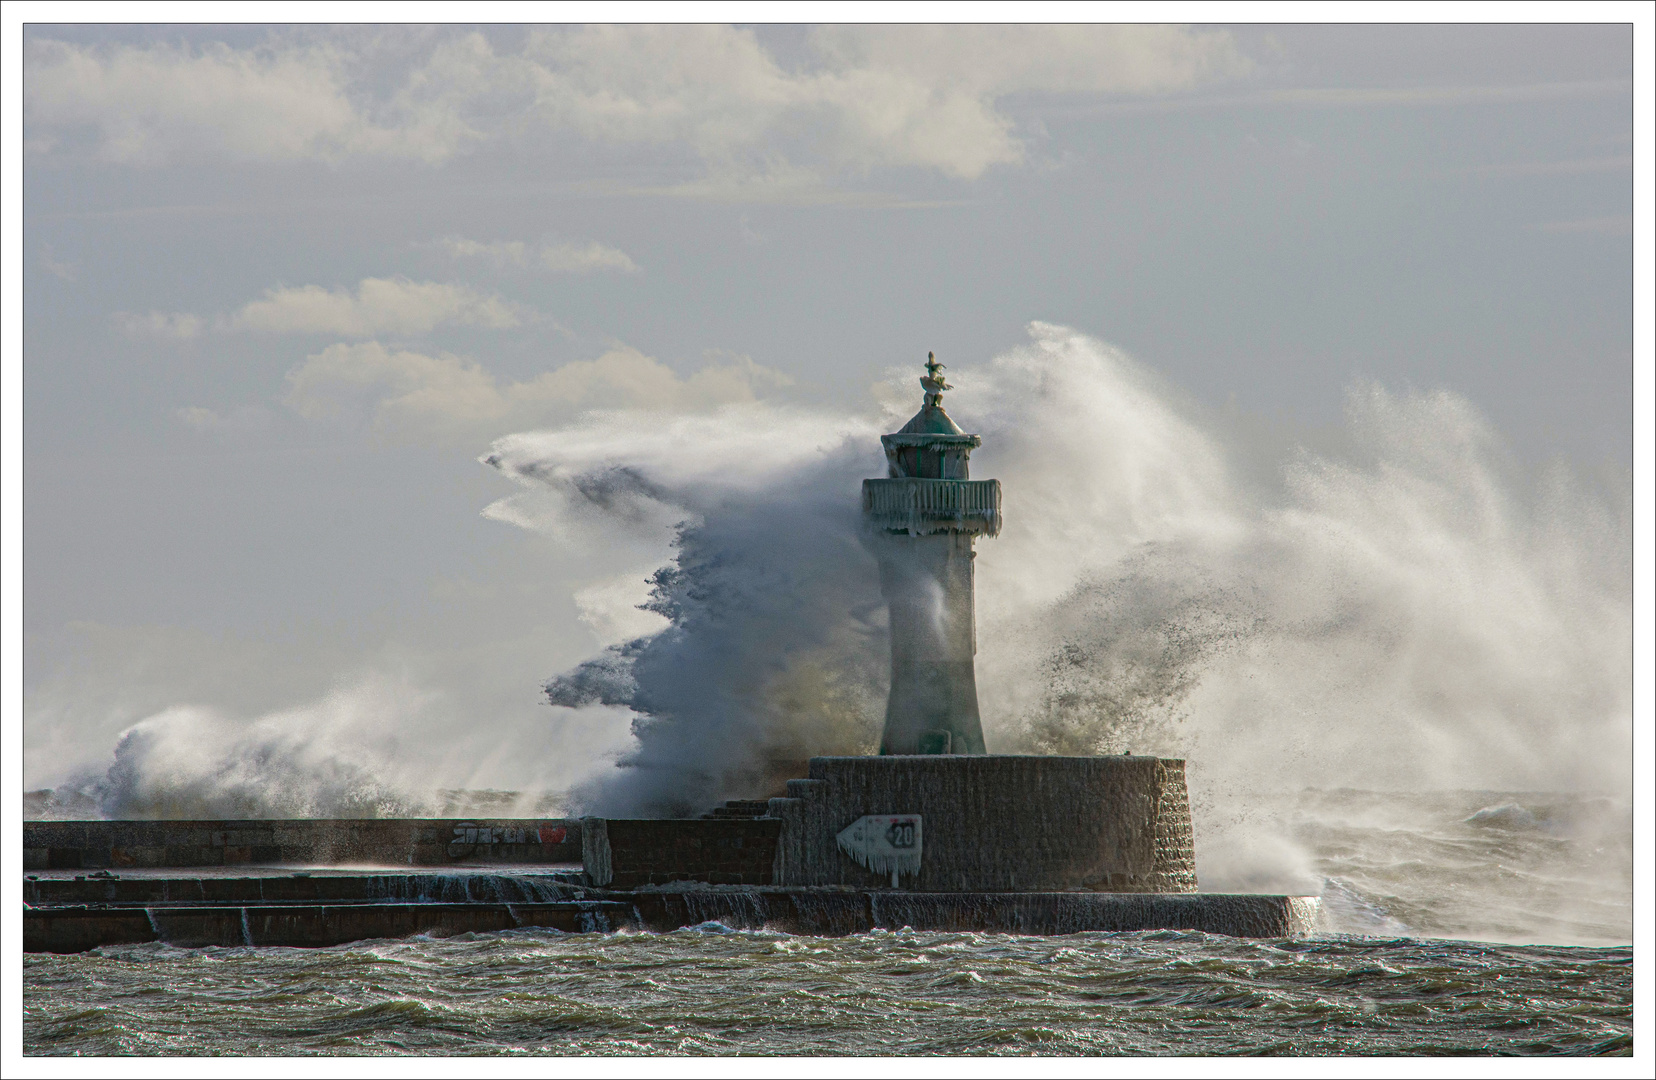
(1454, 923)
(709, 990)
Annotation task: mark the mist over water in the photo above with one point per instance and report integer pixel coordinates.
(1399, 609)
(1400, 614)
(774, 647)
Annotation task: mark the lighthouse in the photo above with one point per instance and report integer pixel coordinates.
(923, 519)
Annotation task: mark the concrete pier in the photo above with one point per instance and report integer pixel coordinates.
(628, 853)
(65, 913)
(66, 930)
(51, 845)
(997, 822)
(933, 834)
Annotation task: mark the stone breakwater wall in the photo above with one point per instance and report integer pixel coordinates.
(70, 930)
(999, 823)
(60, 845)
(986, 824)
(272, 887)
(628, 853)
(249, 911)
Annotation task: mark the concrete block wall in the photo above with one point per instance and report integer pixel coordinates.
(627, 853)
(1175, 862)
(991, 823)
(54, 845)
(796, 911)
(997, 823)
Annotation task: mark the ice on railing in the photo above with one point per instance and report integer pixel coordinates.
(920, 507)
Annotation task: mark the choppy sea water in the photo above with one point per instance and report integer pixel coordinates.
(1544, 880)
(1512, 867)
(710, 991)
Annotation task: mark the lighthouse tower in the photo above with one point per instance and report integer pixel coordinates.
(923, 518)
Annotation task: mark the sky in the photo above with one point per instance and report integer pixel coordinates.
(283, 287)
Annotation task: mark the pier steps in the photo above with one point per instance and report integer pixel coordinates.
(739, 809)
(276, 909)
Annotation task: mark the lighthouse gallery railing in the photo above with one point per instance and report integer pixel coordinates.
(911, 505)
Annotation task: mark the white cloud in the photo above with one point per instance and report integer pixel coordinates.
(245, 418)
(781, 184)
(499, 252)
(587, 258)
(1057, 59)
(877, 96)
(144, 105)
(178, 325)
(379, 306)
(867, 97)
(419, 396)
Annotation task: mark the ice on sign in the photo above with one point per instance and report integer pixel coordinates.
(885, 843)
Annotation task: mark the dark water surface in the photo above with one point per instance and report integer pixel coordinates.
(1406, 881)
(712, 991)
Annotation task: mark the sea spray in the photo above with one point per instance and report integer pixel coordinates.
(1402, 609)
(375, 748)
(1397, 607)
(1402, 614)
(775, 647)
(188, 762)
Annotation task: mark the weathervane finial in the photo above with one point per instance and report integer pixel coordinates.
(932, 382)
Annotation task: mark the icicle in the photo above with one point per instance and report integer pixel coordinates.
(884, 843)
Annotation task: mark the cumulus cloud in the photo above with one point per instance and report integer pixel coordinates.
(203, 419)
(420, 396)
(591, 257)
(499, 252)
(148, 104)
(176, 325)
(1059, 59)
(585, 258)
(877, 96)
(379, 306)
(862, 97)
